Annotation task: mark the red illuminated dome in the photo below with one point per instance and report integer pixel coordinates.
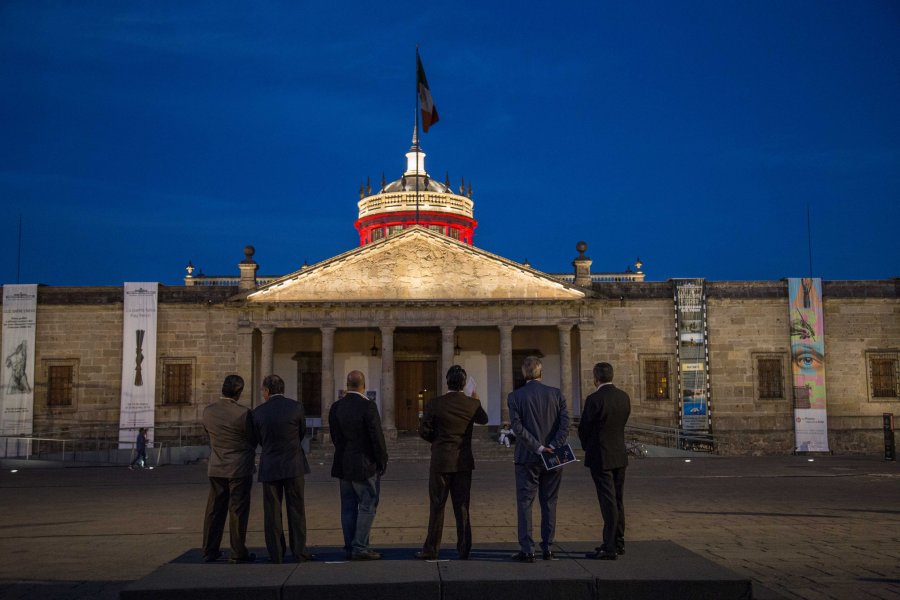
(413, 199)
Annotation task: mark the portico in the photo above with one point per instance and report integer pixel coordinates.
(403, 321)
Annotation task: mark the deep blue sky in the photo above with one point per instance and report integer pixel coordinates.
(136, 135)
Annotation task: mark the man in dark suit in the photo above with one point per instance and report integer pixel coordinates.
(540, 420)
(447, 423)
(360, 459)
(602, 435)
(280, 427)
(232, 449)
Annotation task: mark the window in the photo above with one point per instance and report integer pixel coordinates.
(61, 375)
(770, 378)
(454, 233)
(884, 375)
(377, 234)
(392, 229)
(59, 385)
(656, 376)
(437, 228)
(656, 379)
(178, 384)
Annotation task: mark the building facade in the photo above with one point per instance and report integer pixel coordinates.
(417, 297)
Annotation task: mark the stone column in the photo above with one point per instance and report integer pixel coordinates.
(243, 363)
(447, 356)
(267, 352)
(327, 377)
(388, 421)
(565, 365)
(586, 358)
(506, 373)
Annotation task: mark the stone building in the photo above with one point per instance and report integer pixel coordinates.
(417, 296)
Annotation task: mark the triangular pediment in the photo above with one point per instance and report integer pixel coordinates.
(415, 265)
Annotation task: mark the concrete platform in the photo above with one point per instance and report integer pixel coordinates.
(650, 569)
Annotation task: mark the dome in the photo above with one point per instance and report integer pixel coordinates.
(415, 199)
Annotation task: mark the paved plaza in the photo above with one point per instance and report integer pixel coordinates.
(829, 528)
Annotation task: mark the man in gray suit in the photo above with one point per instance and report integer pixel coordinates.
(540, 420)
(280, 426)
(360, 459)
(602, 435)
(232, 448)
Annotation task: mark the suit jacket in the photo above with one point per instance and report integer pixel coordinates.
(539, 417)
(359, 448)
(232, 442)
(602, 428)
(447, 423)
(280, 426)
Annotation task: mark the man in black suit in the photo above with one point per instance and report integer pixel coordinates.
(232, 449)
(602, 435)
(280, 427)
(360, 459)
(540, 420)
(447, 423)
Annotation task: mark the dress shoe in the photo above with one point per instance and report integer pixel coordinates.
(243, 559)
(304, 557)
(422, 555)
(365, 555)
(208, 558)
(600, 554)
(620, 550)
(548, 555)
(523, 557)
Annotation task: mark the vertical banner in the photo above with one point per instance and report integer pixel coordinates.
(17, 369)
(692, 354)
(808, 364)
(138, 362)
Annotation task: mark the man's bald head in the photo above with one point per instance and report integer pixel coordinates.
(356, 381)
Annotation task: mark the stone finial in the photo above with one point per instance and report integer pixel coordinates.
(638, 265)
(582, 266)
(189, 278)
(368, 186)
(470, 190)
(462, 186)
(383, 181)
(447, 179)
(248, 269)
(362, 191)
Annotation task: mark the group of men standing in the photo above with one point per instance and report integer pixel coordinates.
(539, 419)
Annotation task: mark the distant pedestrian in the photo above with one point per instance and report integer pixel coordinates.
(140, 447)
(602, 435)
(232, 450)
(447, 423)
(280, 426)
(360, 459)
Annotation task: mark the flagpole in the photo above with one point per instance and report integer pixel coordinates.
(416, 134)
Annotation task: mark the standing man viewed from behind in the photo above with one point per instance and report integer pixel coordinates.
(232, 449)
(360, 459)
(540, 420)
(447, 423)
(280, 427)
(602, 435)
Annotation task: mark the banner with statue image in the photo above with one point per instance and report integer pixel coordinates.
(17, 369)
(138, 362)
(808, 364)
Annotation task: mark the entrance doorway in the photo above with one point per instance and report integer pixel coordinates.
(416, 384)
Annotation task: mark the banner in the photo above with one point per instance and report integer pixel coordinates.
(17, 369)
(692, 354)
(138, 362)
(808, 364)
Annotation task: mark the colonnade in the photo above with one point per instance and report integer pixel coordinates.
(448, 333)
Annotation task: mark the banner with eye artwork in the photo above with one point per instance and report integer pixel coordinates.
(808, 364)
(692, 354)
